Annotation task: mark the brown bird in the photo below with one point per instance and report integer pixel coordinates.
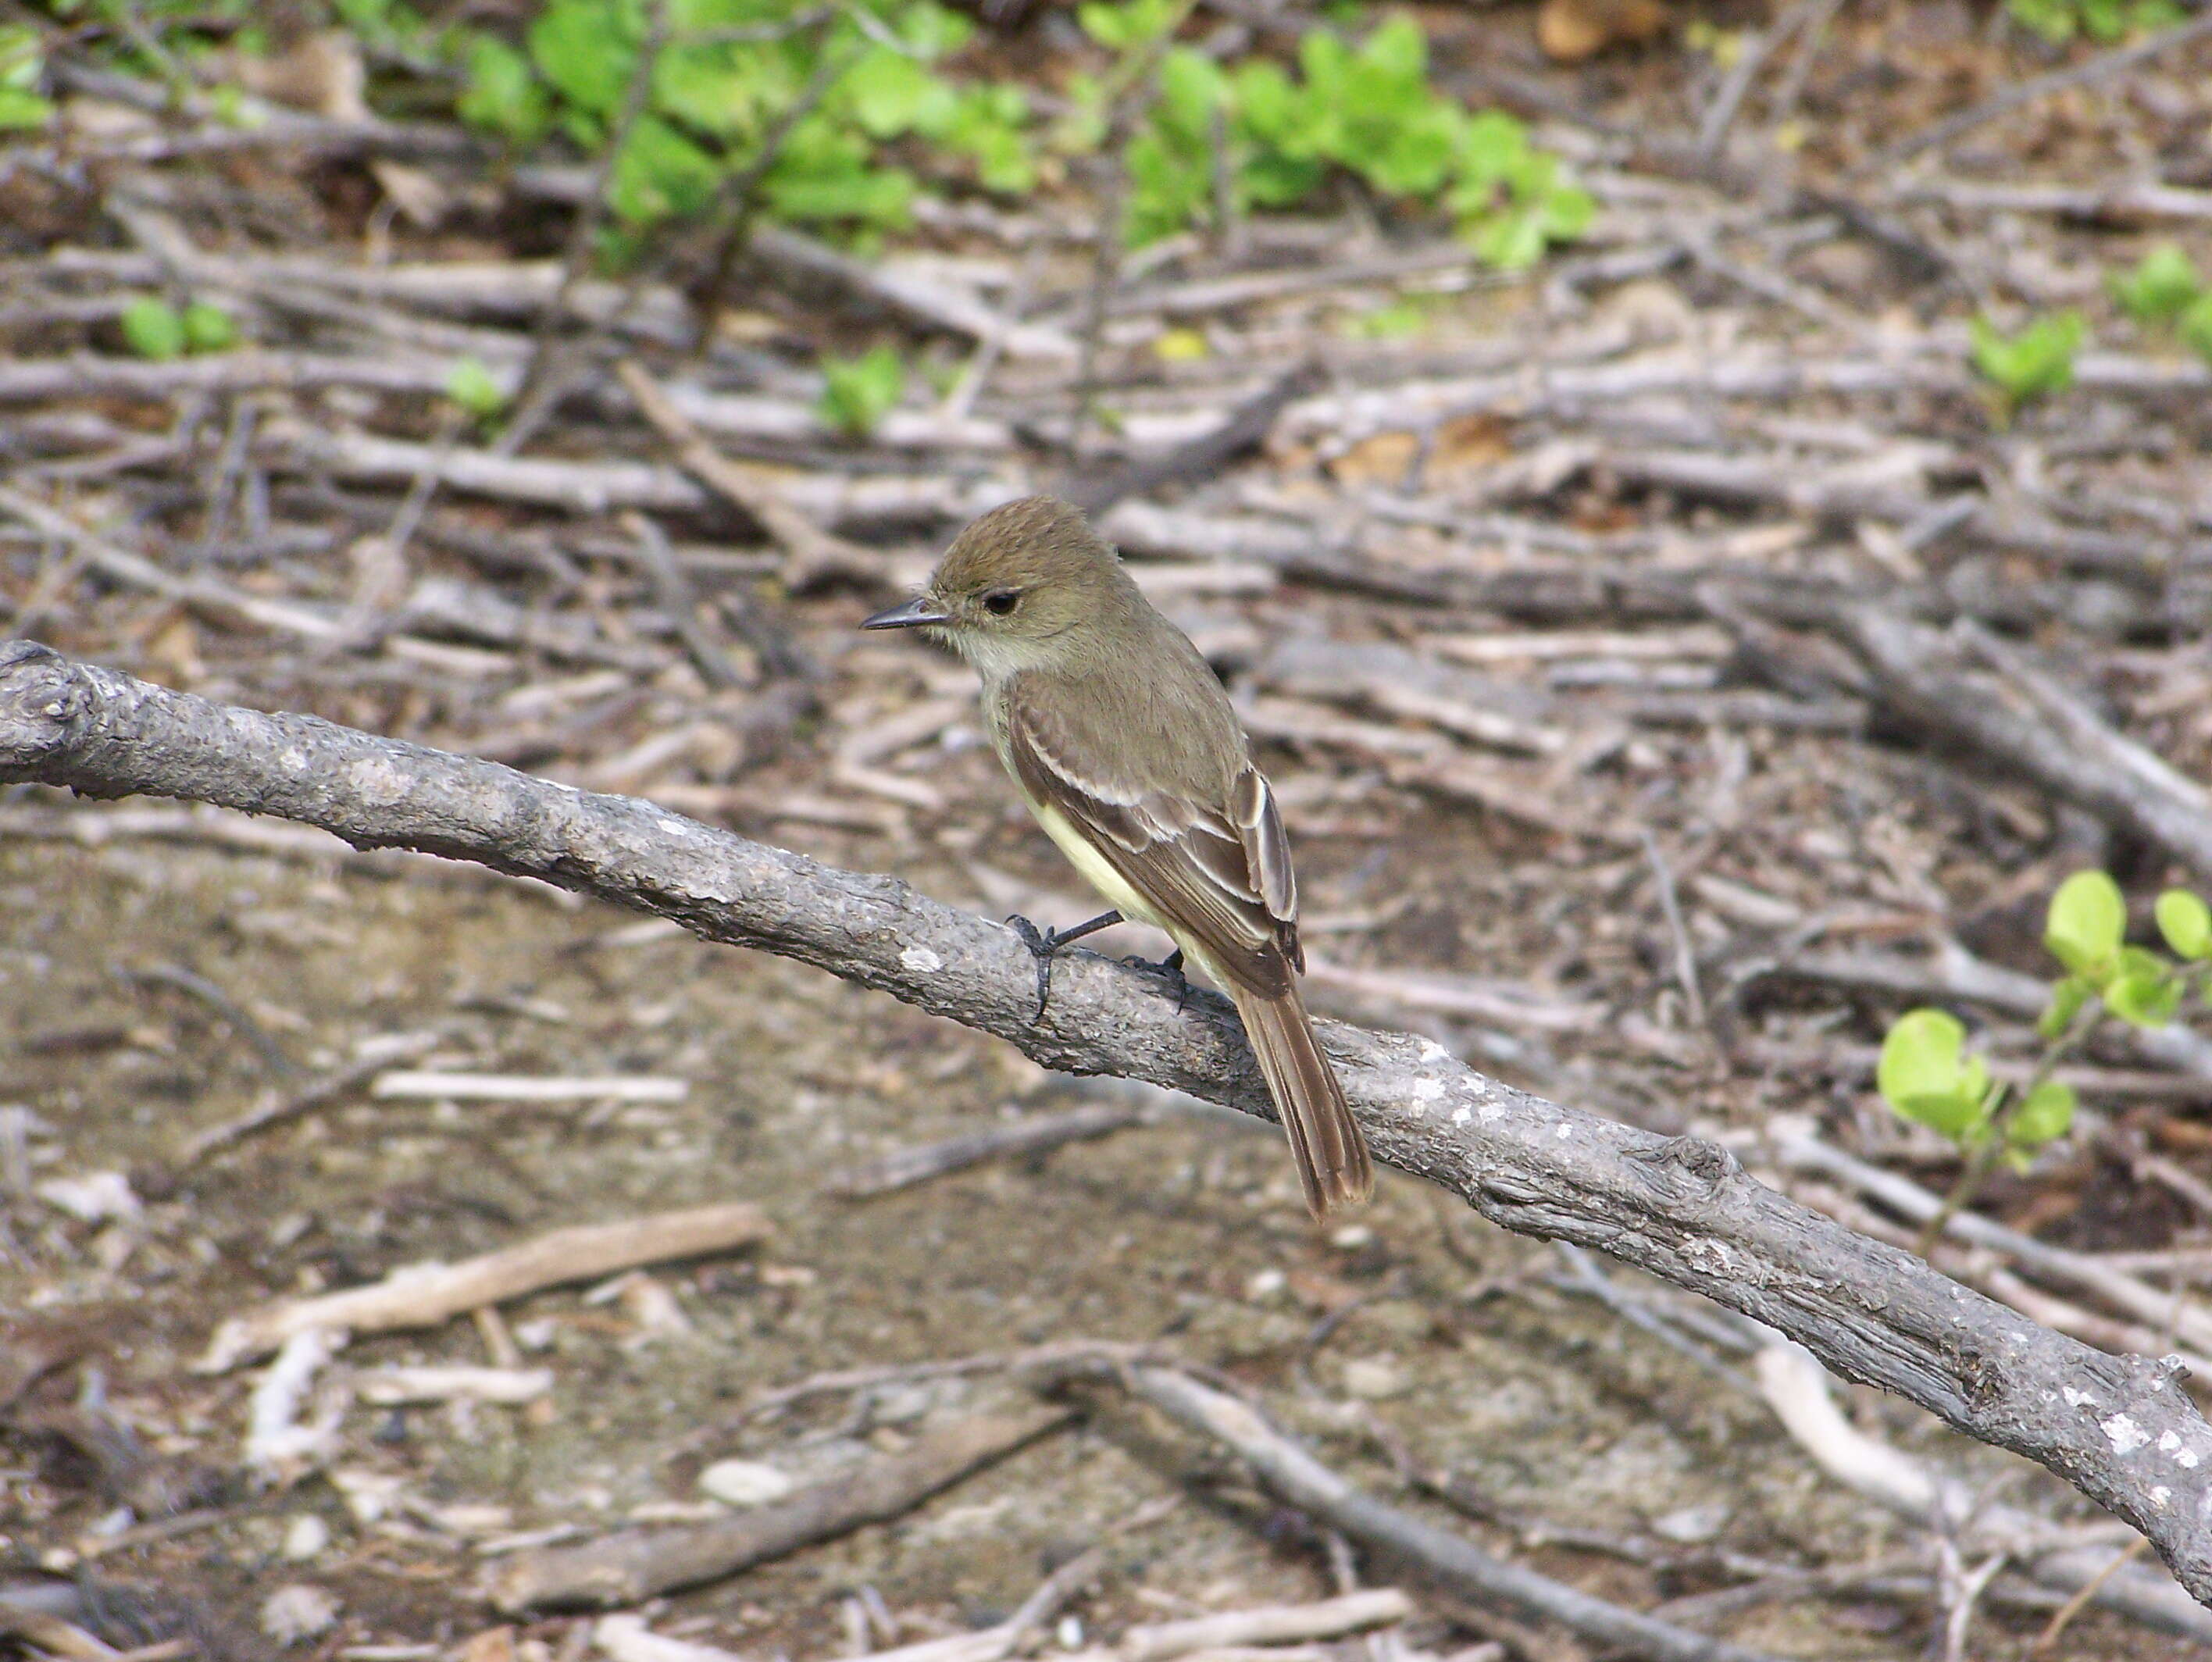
(1127, 751)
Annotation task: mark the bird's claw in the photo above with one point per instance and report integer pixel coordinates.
(1041, 944)
(1044, 944)
(1169, 969)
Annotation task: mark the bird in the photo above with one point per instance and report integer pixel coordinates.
(1124, 745)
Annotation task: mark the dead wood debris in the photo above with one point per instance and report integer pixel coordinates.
(1703, 545)
(628, 1569)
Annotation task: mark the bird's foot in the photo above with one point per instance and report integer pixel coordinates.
(1044, 945)
(1169, 969)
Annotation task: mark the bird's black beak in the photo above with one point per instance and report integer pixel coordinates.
(912, 614)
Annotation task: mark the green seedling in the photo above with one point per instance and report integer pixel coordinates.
(1927, 1076)
(22, 67)
(472, 387)
(857, 393)
(2163, 286)
(2035, 363)
(2061, 21)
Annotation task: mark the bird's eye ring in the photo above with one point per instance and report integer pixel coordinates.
(1000, 602)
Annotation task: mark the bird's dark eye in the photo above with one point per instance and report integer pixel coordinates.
(1000, 602)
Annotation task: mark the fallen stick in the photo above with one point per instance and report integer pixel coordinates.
(1271, 1624)
(632, 1566)
(627, 1639)
(1795, 1387)
(1035, 1135)
(2157, 1308)
(527, 1088)
(587, 487)
(1245, 428)
(204, 595)
(2017, 718)
(423, 1295)
(1456, 1564)
(1680, 1208)
(814, 553)
(2102, 67)
(508, 1387)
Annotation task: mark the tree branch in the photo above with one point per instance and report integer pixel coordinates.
(2118, 1427)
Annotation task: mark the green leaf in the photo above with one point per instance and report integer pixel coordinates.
(208, 328)
(857, 393)
(2196, 327)
(1922, 1077)
(2186, 923)
(587, 49)
(2067, 997)
(1396, 322)
(2034, 363)
(2086, 921)
(501, 95)
(2046, 1115)
(659, 174)
(470, 386)
(153, 329)
(22, 67)
(21, 111)
(2143, 992)
(1129, 26)
(891, 94)
(2162, 286)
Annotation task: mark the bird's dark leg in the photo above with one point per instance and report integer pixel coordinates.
(1170, 968)
(1043, 943)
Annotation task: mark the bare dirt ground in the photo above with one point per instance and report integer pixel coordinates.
(1455, 1338)
(1501, 606)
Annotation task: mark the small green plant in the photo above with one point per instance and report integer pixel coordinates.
(1274, 138)
(208, 328)
(2167, 291)
(800, 106)
(154, 329)
(2034, 363)
(2163, 286)
(2060, 21)
(473, 388)
(22, 64)
(857, 393)
(2195, 326)
(1927, 1075)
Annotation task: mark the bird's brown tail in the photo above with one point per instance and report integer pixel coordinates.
(1325, 1139)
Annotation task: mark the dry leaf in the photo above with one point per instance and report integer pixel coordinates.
(1470, 443)
(1383, 459)
(322, 72)
(1572, 30)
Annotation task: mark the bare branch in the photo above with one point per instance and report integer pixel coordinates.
(2118, 1428)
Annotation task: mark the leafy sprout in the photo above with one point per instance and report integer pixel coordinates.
(2033, 363)
(2060, 21)
(2163, 286)
(474, 388)
(1926, 1074)
(154, 329)
(857, 393)
(22, 65)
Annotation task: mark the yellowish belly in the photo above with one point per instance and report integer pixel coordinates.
(1100, 876)
(1095, 868)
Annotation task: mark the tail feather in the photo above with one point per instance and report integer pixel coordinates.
(1326, 1141)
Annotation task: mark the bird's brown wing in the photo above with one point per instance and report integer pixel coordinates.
(1219, 871)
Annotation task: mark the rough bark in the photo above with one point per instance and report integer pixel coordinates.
(2118, 1428)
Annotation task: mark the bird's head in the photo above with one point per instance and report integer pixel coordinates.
(1023, 587)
